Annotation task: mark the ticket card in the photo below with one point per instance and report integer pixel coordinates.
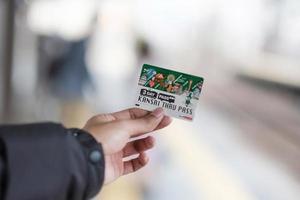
(177, 93)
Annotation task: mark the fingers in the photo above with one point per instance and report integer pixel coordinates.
(166, 121)
(132, 113)
(138, 146)
(135, 164)
(144, 124)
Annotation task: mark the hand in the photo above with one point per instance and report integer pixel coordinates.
(115, 130)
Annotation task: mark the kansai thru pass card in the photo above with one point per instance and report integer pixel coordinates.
(176, 92)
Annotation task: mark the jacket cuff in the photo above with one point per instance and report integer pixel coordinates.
(94, 154)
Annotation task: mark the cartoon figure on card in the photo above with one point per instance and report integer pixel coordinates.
(189, 96)
(176, 89)
(169, 83)
(157, 79)
(197, 90)
(188, 99)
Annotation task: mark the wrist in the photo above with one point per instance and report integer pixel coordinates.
(95, 158)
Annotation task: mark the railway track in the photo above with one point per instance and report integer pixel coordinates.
(269, 118)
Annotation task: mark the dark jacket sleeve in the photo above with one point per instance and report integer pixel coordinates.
(48, 162)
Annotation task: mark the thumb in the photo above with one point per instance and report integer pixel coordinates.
(145, 124)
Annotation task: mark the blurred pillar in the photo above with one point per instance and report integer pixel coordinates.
(272, 36)
(8, 43)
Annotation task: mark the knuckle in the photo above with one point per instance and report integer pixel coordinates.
(93, 119)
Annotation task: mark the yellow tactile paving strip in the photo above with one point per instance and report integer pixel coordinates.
(124, 188)
(75, 114)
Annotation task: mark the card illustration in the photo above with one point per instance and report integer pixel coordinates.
(177, 93)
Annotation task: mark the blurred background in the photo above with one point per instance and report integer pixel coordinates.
(66, 60)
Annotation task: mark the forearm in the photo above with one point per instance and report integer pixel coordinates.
(47, 161)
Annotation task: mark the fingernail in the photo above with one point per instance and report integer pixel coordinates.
(151, 141)
(158, 112)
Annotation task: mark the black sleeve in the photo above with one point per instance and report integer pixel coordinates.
(48, 162)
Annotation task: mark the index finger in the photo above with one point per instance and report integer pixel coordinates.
(135, 113)
(131, 113)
